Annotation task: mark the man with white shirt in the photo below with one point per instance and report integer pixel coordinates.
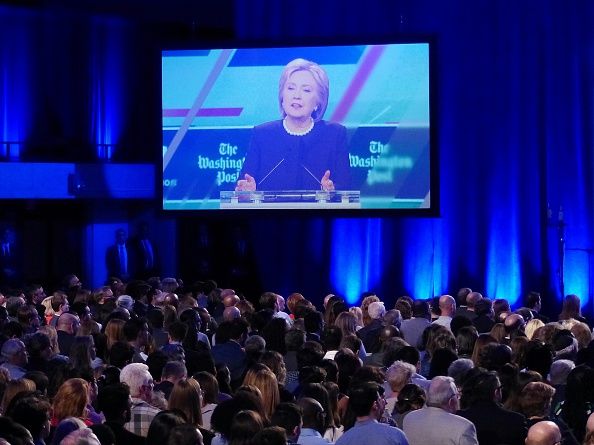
(447, 306)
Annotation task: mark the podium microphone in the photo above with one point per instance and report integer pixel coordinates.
(311, 174)
(270, 172)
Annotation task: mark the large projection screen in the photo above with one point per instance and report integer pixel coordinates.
(223, 109)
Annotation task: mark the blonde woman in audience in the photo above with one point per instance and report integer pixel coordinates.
(13, 387)
(532, 326)
(358, 313)
(52, 334)
(264, 379)
(347, 323)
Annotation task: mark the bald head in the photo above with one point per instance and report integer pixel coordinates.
(513, 323)
(447, 304)
(472, 299)
(230, 300)
(68, 323)
(231, 313)
(543, 433)
(312, 412)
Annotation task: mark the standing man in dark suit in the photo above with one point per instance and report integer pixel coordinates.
(144, 255)
(117, 257)
(10, 259)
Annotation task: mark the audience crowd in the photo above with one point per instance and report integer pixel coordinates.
(157, 362)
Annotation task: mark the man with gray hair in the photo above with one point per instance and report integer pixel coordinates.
(15, 357)
(370, 334)
(140, 381)
(436, 423)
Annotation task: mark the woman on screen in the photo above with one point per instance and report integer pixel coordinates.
(301, 151)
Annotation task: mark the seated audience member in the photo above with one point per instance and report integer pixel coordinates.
(410, 398)
(161, 426)
(71, 400)
(447, 306)
(441, 360)
(15, 356)
(331, 338)
(484, 320)
(535, 404)
(66, 328)
(533, 302)
(543, 433)
(186, 397)
(272, 435)
(140, 381)
(579, 396)
(572, 308)
(228, 350)
(12, 388)
(288, 417)
(370, 333)
(481, 395)
(210, 394)
(437, 423)
(114, 402)
(532, 326)
(14, 433)
(539, 357)
(314, 419)
(172, 373)
(412, 329)
(397, 375)
(185, 435)
(458, 370)
(560, 369)
(367, 404)
(313, 322)
(33, 412)
(514, 325)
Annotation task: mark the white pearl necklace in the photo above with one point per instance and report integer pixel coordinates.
(298, 133)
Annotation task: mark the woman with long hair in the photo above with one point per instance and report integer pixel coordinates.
(71, 400)
(186, 397)
(264, 379)
(572, 308)
(82, 354)
(347, 323)
(482, 341)
(114, 331)
(210, 395)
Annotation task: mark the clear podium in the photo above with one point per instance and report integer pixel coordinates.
(291, 199)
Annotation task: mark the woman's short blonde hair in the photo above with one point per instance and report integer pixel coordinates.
(320, 77)
(532, 326)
